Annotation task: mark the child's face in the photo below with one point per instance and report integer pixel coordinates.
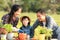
(25, 21)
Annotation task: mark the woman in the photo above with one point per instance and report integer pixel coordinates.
(12, 17)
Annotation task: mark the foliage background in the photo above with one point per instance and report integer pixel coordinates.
(52, 8)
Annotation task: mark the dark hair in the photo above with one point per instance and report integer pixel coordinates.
(24, 17)
(14, 8)
(40, 11)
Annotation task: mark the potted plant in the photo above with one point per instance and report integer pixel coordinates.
(3, 32)
(48, 34)
(9, 29)
(44, 32)
(22, 36)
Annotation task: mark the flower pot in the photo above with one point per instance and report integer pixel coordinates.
(3, 36)
(10, 36)
(41, 37)
(22, 36)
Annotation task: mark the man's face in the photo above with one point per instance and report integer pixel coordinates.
(41, 17)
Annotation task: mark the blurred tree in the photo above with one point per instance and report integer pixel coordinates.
(5, 4)
(31, 5)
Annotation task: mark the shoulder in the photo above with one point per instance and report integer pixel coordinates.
(30, 27)
(5, 16)
(49, 18)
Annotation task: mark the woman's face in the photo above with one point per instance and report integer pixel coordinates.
(25, 21)
(17, 13)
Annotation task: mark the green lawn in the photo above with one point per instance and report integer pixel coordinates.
(33, 17)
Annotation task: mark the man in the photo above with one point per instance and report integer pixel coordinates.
(45, 21)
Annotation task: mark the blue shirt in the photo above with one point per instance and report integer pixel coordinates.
(50, 23)
(24, 29)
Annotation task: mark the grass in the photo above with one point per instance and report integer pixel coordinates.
(33, 17)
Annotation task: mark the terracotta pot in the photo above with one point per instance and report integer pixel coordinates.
(22, 36)
(3, 36)
(10, 36)
(3, 31)
(41, 37)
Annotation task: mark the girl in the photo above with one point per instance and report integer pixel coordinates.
(25, 25)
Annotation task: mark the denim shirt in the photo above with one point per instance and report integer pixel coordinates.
(50, 23)
(24, 29)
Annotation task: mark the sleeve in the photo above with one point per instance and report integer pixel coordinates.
(4, 19)
(31, 32)
(35, 24)
(20, 31)
(33, 27)
(50, 23)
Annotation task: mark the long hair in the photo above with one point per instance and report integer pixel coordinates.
(14, 8)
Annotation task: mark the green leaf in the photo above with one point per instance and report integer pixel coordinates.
(8, 27)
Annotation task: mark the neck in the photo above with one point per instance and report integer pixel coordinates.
(25, 26)
(44, 19)
(14, 18)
